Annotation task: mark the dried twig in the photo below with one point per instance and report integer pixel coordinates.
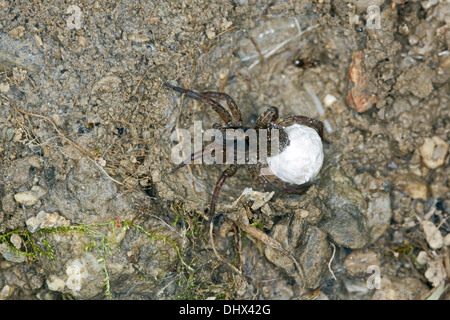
(260, 55)
(140, 81)
(223, 32)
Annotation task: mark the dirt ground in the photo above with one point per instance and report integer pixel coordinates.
(89, 209)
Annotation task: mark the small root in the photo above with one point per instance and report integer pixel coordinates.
(218, 255)
(331, 260)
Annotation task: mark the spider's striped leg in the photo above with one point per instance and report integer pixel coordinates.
(229, 172)
(258, 178)
(270, 115)
(223, 113)
(199, 154)
(310, 122)
(237, 115)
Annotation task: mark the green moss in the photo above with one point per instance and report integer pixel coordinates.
(192, 222)
(258, 225)
(35, 251)
(405, 250)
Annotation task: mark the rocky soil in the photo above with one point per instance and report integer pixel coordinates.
(88, 134)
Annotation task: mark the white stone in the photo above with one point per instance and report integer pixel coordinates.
(329, 100)
(302, 160)
(435, 272)
(33, 224)
(102, 162)
(30, 198)
(433, 152)
(45, 220)
(432, 235)
(27, 198)
(5, 292)
(55, 284)
(76, 270)
(11, 255)
(211, 34)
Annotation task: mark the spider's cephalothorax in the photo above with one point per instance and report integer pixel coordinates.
(290, 166)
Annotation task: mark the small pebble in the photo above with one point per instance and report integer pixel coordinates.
(82, 41)
(357, 288)
(16, 241)
(412, 185)
(55, 284)
(387, 291)
(38, 40)
(27, 198)
(5, 292)
(435, 272)
(432, 235)
(329, 100)
(17, 32)
(44, 220)
(211, 34)
(30, 198)
(358, 262)
(11, 255)
(433, 152)
(102, 162)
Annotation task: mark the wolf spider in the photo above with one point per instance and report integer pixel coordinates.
(268, 121)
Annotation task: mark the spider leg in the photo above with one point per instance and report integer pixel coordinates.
(270, 179)
(288, 121)
(289, 188)
(235, 111)
(209, 149)
(223, 113)
(270, 115)
(258, 178)
(229, 172)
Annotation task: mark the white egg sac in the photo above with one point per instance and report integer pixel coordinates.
(302, 160)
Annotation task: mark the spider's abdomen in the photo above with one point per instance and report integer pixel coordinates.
(302, 159)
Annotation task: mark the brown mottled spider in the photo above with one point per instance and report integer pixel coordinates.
(290, 168)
